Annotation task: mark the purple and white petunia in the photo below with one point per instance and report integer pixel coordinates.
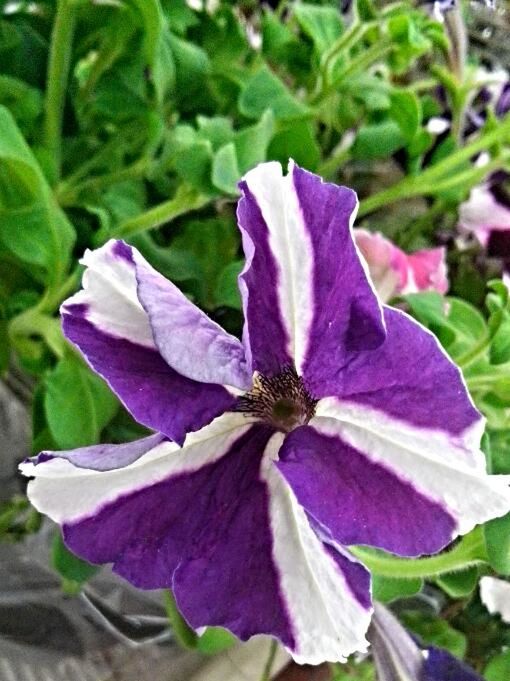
(398, 657)
(336, 421)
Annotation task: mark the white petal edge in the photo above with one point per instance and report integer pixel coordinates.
(110, 294)
(292, 250)
(328, 622)
(444, 470)
(66, 493)
(495, 595)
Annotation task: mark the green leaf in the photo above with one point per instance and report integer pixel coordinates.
(297, 141)
(500, 345)
(69, 566)
(459, 584)
(497, 542)
(191, 69)
(180, 16)
(24, 102)
(498, 668)
(458, 325)
(217, 130)
(214, 640)
(214, 244)
(32, 226)
(248, 148)
(406, 111)
(378, 140)
(78, 404)
(386, 589)
(436, 632)
(225, 170)
(265, 91)
(227, 289)
(322, 24)
(252, 142)
(4, 347)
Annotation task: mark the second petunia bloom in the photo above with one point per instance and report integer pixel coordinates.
(335, 421)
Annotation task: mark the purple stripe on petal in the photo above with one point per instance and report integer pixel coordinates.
(356, 575)
(103, 457)
(155, 394)
(347, 315)
(205, 534)
(122, 250)
(265, 335)
(358, 501)
(409, 378)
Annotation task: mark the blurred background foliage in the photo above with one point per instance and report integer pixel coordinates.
(135, 119)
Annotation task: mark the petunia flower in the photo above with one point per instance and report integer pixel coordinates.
(486, 213)
(394, 272)
(398, 657)
(335, 421)
(495, 595)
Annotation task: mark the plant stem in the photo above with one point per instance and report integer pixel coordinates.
(185, 200)
(329, 167)
(469, 551)
(477, 351)
(185, 636)
(59, 63)
(365, 59)
(68, 197)
(266, 673)
(435, 178)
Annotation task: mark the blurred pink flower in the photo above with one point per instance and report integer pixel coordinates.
(483, 214)
(394, 272)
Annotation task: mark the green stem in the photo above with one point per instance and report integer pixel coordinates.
(33, 322)
(51, 300)
(477, 351)
(435, 178)
(469, 551)
(360, 63)
(330, 166)
(266, 673)
(68, 197)
(185, 200)
(59, 63)
(185, 636)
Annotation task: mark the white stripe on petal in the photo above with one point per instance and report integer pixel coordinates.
(495, 595)
(110, 294)
(292, 249)
(445, 469)
(328, 622)
(66, 493)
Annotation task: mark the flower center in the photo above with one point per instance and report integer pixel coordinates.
(282, 400)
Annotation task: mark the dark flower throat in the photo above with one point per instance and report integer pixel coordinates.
(282, 401)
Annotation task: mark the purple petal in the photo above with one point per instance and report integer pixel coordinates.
(215, 522)
(155, 394)
(409, 378)
(107, 322)
(103, 457)
(306, 296)
(359, 501)
(440, 665)
(187, 339)
(442, 473)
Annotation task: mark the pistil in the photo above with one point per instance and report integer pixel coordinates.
(281, 401)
